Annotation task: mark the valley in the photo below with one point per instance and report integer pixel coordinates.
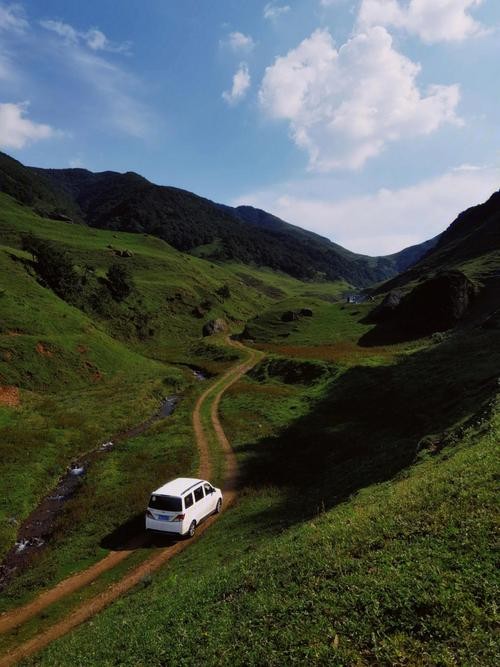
(356, 446)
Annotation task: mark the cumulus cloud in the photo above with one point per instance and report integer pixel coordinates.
(272, 11)
(385, 221)
(16, 130)
(343, 106)
(431, 20)
(94, 38)
(12, 18)
(239, 43)
(241, 84)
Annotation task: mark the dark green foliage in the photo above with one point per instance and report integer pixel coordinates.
(119, 281)
(33, 189)
(223, 292)
(128, 202)
(53, 266)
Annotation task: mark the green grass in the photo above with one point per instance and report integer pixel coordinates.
(85, 376)
(400, 573)
(362, 533)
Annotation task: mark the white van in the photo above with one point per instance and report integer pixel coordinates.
(179, 506)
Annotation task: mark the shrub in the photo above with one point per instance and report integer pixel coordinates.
(119, 281)
(53, 266)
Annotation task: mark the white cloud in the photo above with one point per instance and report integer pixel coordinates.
(113, 91)
(343, 106)
(62, 29)
(12, 18)
(388, 220)
(239, 43)
(116, 90)
(94, 38)
(272, 11)
(431, 20)
(6, 71)
(16, 131)
(241, 84)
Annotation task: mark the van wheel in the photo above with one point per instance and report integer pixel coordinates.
(218, 507)
(192, 529)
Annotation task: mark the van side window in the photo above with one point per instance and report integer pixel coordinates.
(188, 500)
(198, 493)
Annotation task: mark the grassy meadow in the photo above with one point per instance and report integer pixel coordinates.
(364, 524)
(351, 543)
(87, 373)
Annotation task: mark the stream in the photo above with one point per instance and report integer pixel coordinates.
(37, 528)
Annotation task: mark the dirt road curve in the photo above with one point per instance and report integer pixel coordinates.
(91, 607)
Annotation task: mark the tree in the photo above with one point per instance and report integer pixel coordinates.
(53, 266)
(119, 281)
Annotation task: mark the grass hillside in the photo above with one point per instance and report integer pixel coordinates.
(128, 202)
(87, 367)
(384, 266)
(471, 244)
(363, 529)
(362, 534)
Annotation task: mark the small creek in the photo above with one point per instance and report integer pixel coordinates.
(37, 529)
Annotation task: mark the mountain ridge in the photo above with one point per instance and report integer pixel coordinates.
(129, 202)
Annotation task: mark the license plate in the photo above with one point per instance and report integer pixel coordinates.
(163, 517)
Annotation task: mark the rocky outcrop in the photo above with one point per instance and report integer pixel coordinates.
(198, 312)
(437, 304)
(493, 321)
(306, 312)
(62, 217)
(290, 316)
(212, 327)
(123, 253)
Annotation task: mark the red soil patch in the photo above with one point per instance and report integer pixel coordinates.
(44, 351)
(7, 355)
(344, 351)
(82, 349)
(14, 333)
(95, 372)
(268, 390)
(9, 396)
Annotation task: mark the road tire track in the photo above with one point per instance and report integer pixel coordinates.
(91, 607)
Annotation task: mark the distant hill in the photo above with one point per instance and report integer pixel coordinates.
(129, 202)
(395, 263)
(456, 283)
(470, 244)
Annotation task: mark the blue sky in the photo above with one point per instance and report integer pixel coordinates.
(372, 122)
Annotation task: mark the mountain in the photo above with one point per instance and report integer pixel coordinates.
(411, 255)
(395, 263)
(457, 282)
(470, 244)
(129, 202)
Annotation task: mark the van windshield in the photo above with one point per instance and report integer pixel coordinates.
(167, 503)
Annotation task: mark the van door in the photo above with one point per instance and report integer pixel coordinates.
(211, 497)
(189, 510)
(200, 501)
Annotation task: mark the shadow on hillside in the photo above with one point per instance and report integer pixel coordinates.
(128, 535)
(387, 333)
(367, 429)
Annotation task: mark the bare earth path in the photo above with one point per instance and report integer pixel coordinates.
(91, 607)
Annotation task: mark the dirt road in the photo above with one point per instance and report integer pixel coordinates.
(91, 607)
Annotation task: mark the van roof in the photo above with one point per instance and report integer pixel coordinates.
(177, 487)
